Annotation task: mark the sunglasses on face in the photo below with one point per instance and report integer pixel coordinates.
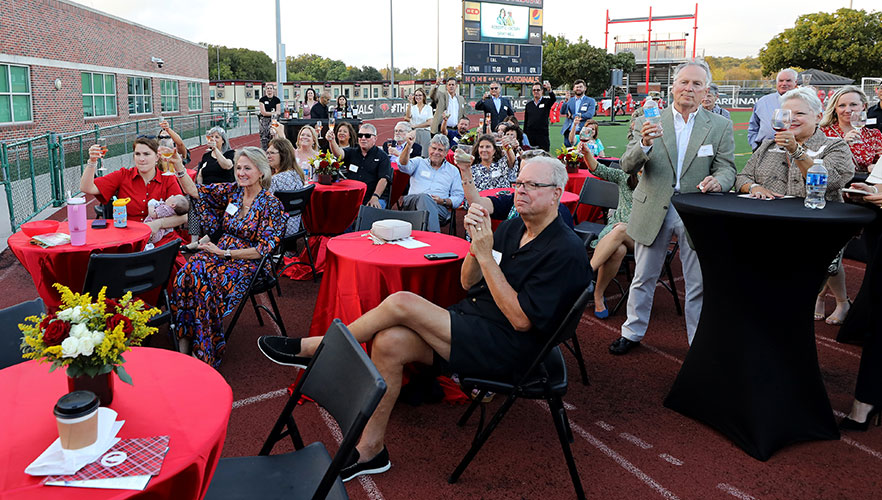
(364, 136)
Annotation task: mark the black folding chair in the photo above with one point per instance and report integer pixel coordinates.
(350, 395)
(601, 194)
(10, 340)
(263, 280)
(546, 378)
(367, 215)
(139, 273)
(295, 203)
(667, 272)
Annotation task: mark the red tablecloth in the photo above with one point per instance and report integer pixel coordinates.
(67, 264)
(568, 199)
(574, 185)
(400, 180)
(194, 414)
(359, 275)
(332, 208)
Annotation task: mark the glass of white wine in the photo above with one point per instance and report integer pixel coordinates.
(780, 122)
(858, 121)
(167, 150)
(102, 142)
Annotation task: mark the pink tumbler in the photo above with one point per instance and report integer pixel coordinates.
(76, 221)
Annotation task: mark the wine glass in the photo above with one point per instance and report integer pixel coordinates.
(102, 142)
(166, 150)
(780, 122)
(858, 120)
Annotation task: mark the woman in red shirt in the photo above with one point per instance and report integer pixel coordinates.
(837, 123)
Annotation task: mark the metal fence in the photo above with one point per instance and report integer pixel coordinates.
(43, 171)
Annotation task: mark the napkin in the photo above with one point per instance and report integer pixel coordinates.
(57, 460)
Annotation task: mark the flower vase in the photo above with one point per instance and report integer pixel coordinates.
(101, 385)
(572, 168)
(325, 179)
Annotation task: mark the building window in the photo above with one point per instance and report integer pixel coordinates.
(287, 95)
(140, 96)
(376, 92)
(15, 94)
(211, 94)
(194, 96)
(99, 94)
(168, 96)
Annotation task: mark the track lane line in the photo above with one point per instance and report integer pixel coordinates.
(735, 492)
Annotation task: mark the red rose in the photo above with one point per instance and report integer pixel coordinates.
(116, 319)
(55, 332)
(110, 305)
(45, 322)
(324, 164)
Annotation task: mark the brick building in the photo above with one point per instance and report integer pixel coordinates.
(65, 68)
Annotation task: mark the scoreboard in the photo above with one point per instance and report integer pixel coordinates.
(502, 40)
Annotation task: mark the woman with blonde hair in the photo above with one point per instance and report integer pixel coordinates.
(865, 143)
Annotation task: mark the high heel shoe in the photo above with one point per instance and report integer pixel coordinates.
(851, 425)
(838, 321)
(604, 313)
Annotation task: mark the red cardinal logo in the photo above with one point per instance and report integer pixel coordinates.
(472, 104)
(384, 107)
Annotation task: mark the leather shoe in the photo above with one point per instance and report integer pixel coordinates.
(622, 346)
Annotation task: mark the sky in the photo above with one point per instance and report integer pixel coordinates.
(357, 32)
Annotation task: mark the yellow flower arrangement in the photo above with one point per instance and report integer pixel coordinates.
(87, 337)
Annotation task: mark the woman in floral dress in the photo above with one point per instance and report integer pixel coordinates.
(211, 284)
(491, 169)
(865, 143)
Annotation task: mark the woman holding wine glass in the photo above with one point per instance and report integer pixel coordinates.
(343, 109)
(420, 114)
(491, 168)
(845, 117)
(770, 174)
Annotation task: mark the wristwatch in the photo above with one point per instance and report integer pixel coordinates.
(227, 255)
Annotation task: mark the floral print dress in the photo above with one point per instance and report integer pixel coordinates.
(499, 175)
(209, 287)
(626, 198)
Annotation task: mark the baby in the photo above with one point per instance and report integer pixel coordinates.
(175, 205)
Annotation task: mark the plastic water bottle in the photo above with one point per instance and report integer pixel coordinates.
(816, 185)
(651, 112)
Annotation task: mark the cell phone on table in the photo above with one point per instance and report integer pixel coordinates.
(441, 256)
(99, 224)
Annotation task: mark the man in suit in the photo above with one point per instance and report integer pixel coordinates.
(579, 104)
(691, 150)
(448, 105)
(536, 115)
(497, 107)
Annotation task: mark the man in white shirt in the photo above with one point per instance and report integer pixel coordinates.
(435, 184)
(448, 105)
(690, 150)
(760, 126)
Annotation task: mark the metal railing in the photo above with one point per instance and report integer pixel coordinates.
(43, 171)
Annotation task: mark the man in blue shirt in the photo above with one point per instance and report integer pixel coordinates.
(497, 107)
(435, 185)
(579, 104)
(760, 126)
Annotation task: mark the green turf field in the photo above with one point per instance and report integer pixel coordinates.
(615, 137)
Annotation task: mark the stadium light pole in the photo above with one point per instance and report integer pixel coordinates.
(279, 56)
(391, 52)
(437, 38)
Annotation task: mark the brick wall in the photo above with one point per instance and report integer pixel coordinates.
(58, 30)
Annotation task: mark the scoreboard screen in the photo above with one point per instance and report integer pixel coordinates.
(502, 40)
(508, 63)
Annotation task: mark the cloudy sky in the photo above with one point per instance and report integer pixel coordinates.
(357, 32)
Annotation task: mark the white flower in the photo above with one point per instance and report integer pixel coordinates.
(70, 347)
(74, 315)
(79, 330)
(97, 337)
(86, 347)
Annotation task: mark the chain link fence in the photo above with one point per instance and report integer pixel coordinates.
(43, 171)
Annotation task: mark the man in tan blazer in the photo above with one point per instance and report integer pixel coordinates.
(446, 103)
(691, 150)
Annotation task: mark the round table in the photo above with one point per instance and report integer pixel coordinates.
(359, 275)
(331, 210)
(400, 181)
(67, 264)
(752, 370)
(194, 415)
(575, 181)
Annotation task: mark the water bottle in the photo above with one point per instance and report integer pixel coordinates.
(76, 221)
(120, 215)
(816, 185)
(651, 112)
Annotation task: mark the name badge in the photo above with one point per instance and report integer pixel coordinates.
(706, 150)
(494, 174)
(505, 107)
(542, 105)
(426, 174)
(584, 107)
(232, 209)
(353, 168)
(871, 121)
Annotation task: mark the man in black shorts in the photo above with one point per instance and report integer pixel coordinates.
(521, 282)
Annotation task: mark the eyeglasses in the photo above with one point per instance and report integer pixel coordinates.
(364, 136)
(146, 137)
(161, 137)
(268, 152)
(494, 88)
(530, 185)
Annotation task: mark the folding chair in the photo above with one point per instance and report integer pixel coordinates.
(546, 378)
(419, 219)
(10, 341)
(295, 202)
(601, 194)
(670, 285)
(350, 395)
(261, 282)
(139, 273)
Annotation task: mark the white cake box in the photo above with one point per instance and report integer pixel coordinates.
(391, 229)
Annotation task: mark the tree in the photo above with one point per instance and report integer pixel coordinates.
(240, 64)
(731, 68)
(365, 74)
(312, 67)
(564, 62)
(847, 42)
(427, 74)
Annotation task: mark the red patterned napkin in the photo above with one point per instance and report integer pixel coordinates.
(144, 457)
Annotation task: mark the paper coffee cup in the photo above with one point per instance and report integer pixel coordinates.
(77, 417)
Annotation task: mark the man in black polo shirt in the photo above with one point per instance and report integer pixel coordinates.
(536, 116)
(319, 110)
(366, 163)
(521, 283)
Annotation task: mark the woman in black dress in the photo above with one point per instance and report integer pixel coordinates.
(865, 323)
(270, 107)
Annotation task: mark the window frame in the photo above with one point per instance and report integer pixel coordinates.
(147, 95)
(104, 96)
(10, 94)
(163, 84)
(191, 96)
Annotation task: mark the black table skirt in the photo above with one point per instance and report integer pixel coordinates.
(752, 370)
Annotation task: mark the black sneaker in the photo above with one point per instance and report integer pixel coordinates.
(282, 350)
(376, 465)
